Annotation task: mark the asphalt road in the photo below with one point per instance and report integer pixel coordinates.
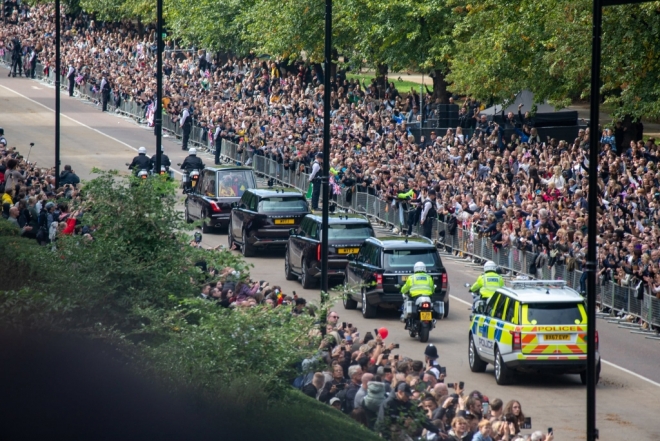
(630, 379)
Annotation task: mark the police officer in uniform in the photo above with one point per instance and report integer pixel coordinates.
(429, 213)
(315, 179)
(140, 162)
(419, 284)
(164, 161)
(217, 139)
(487, 283)
(186, 125)
(71, 76)
(192, 162)
(105, 92)
(16, 57)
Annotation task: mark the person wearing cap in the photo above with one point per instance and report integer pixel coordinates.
(315, 180)
(429, 213)
(336, 403)
(398, 412)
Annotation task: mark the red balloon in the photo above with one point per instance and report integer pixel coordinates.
(383, 333)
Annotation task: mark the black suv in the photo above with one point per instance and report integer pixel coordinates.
(212, 198)
(346, 233)
(263, 218)
(381, 268)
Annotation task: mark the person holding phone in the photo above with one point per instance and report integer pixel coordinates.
(338, 383)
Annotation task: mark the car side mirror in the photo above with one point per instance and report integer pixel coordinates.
(480, 306)
(467, 285)
(350, 257)
(234, 204)
(292, 232)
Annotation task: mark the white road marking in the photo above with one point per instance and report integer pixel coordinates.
(80, 123)
(35, 87)
(627, 371)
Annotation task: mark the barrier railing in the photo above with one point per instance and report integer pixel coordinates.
(395, 214)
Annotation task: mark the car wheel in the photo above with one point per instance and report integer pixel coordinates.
(583, 375)
(476, 363)
(246, 248)
(187, 215)
(368, 311)
(502, 372)
(424, 332)
(347, 300)
(206, 228)
(288, 275)
(446, 309)
(306, 281)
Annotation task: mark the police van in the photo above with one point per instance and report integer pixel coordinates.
(535, 325)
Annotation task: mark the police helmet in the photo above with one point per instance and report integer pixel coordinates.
(490, 266)
(192, 152)
(431, 351)
(142, 151)
(420, 267)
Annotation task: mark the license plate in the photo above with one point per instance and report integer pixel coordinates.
(559, 337)
(426, 316)
(404, 278)
(284, 221)
(348, 250)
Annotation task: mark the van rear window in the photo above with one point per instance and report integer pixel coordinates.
(283, 204)
(405, 260)
(568, 313)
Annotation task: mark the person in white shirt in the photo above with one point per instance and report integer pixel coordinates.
(71, 76)
(315, 179)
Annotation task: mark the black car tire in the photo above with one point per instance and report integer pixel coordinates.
(230, 237)
(502, 372)
(246, 248)
(206, 228)
(187, 216)
(475, 361)
(288, 275)
(424, 332)
(583, 375)
(348, 301)
(446, 309)
(368, 311)
(306, 281)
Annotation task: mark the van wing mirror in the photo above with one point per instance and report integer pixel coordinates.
(292, 232)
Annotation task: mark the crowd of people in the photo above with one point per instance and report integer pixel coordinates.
(524, 193)
(401, 398)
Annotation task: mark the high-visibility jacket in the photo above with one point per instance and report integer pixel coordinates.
(419, 284)
(487, 284)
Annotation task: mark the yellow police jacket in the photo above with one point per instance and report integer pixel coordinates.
(419, 284)
(487, 284)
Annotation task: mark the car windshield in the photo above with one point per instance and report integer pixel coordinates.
(279, 205)
(233, 183)
(400, 260)
(349, 231)
(563, 313)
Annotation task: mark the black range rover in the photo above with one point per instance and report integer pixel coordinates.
(381, 268)
(346, 233)
(263, 218)
(212, 198)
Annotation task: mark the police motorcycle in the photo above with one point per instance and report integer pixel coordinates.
(421, 313)
(189, 179)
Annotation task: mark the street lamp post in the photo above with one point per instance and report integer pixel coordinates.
(58, 72)
(592, 197)
(326, 146)
(158, 117)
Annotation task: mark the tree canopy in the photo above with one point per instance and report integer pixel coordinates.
(490, 49)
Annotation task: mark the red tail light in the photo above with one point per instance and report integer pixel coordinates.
(215, 207)
(379, 280)
(426, 305)
(318, 252)
(596, 340)
(517, 341)
(444, 281)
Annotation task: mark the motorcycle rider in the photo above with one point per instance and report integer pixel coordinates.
(487, 283)
(419, 284)
(140, 162)
(164, 161)
(192, 162)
